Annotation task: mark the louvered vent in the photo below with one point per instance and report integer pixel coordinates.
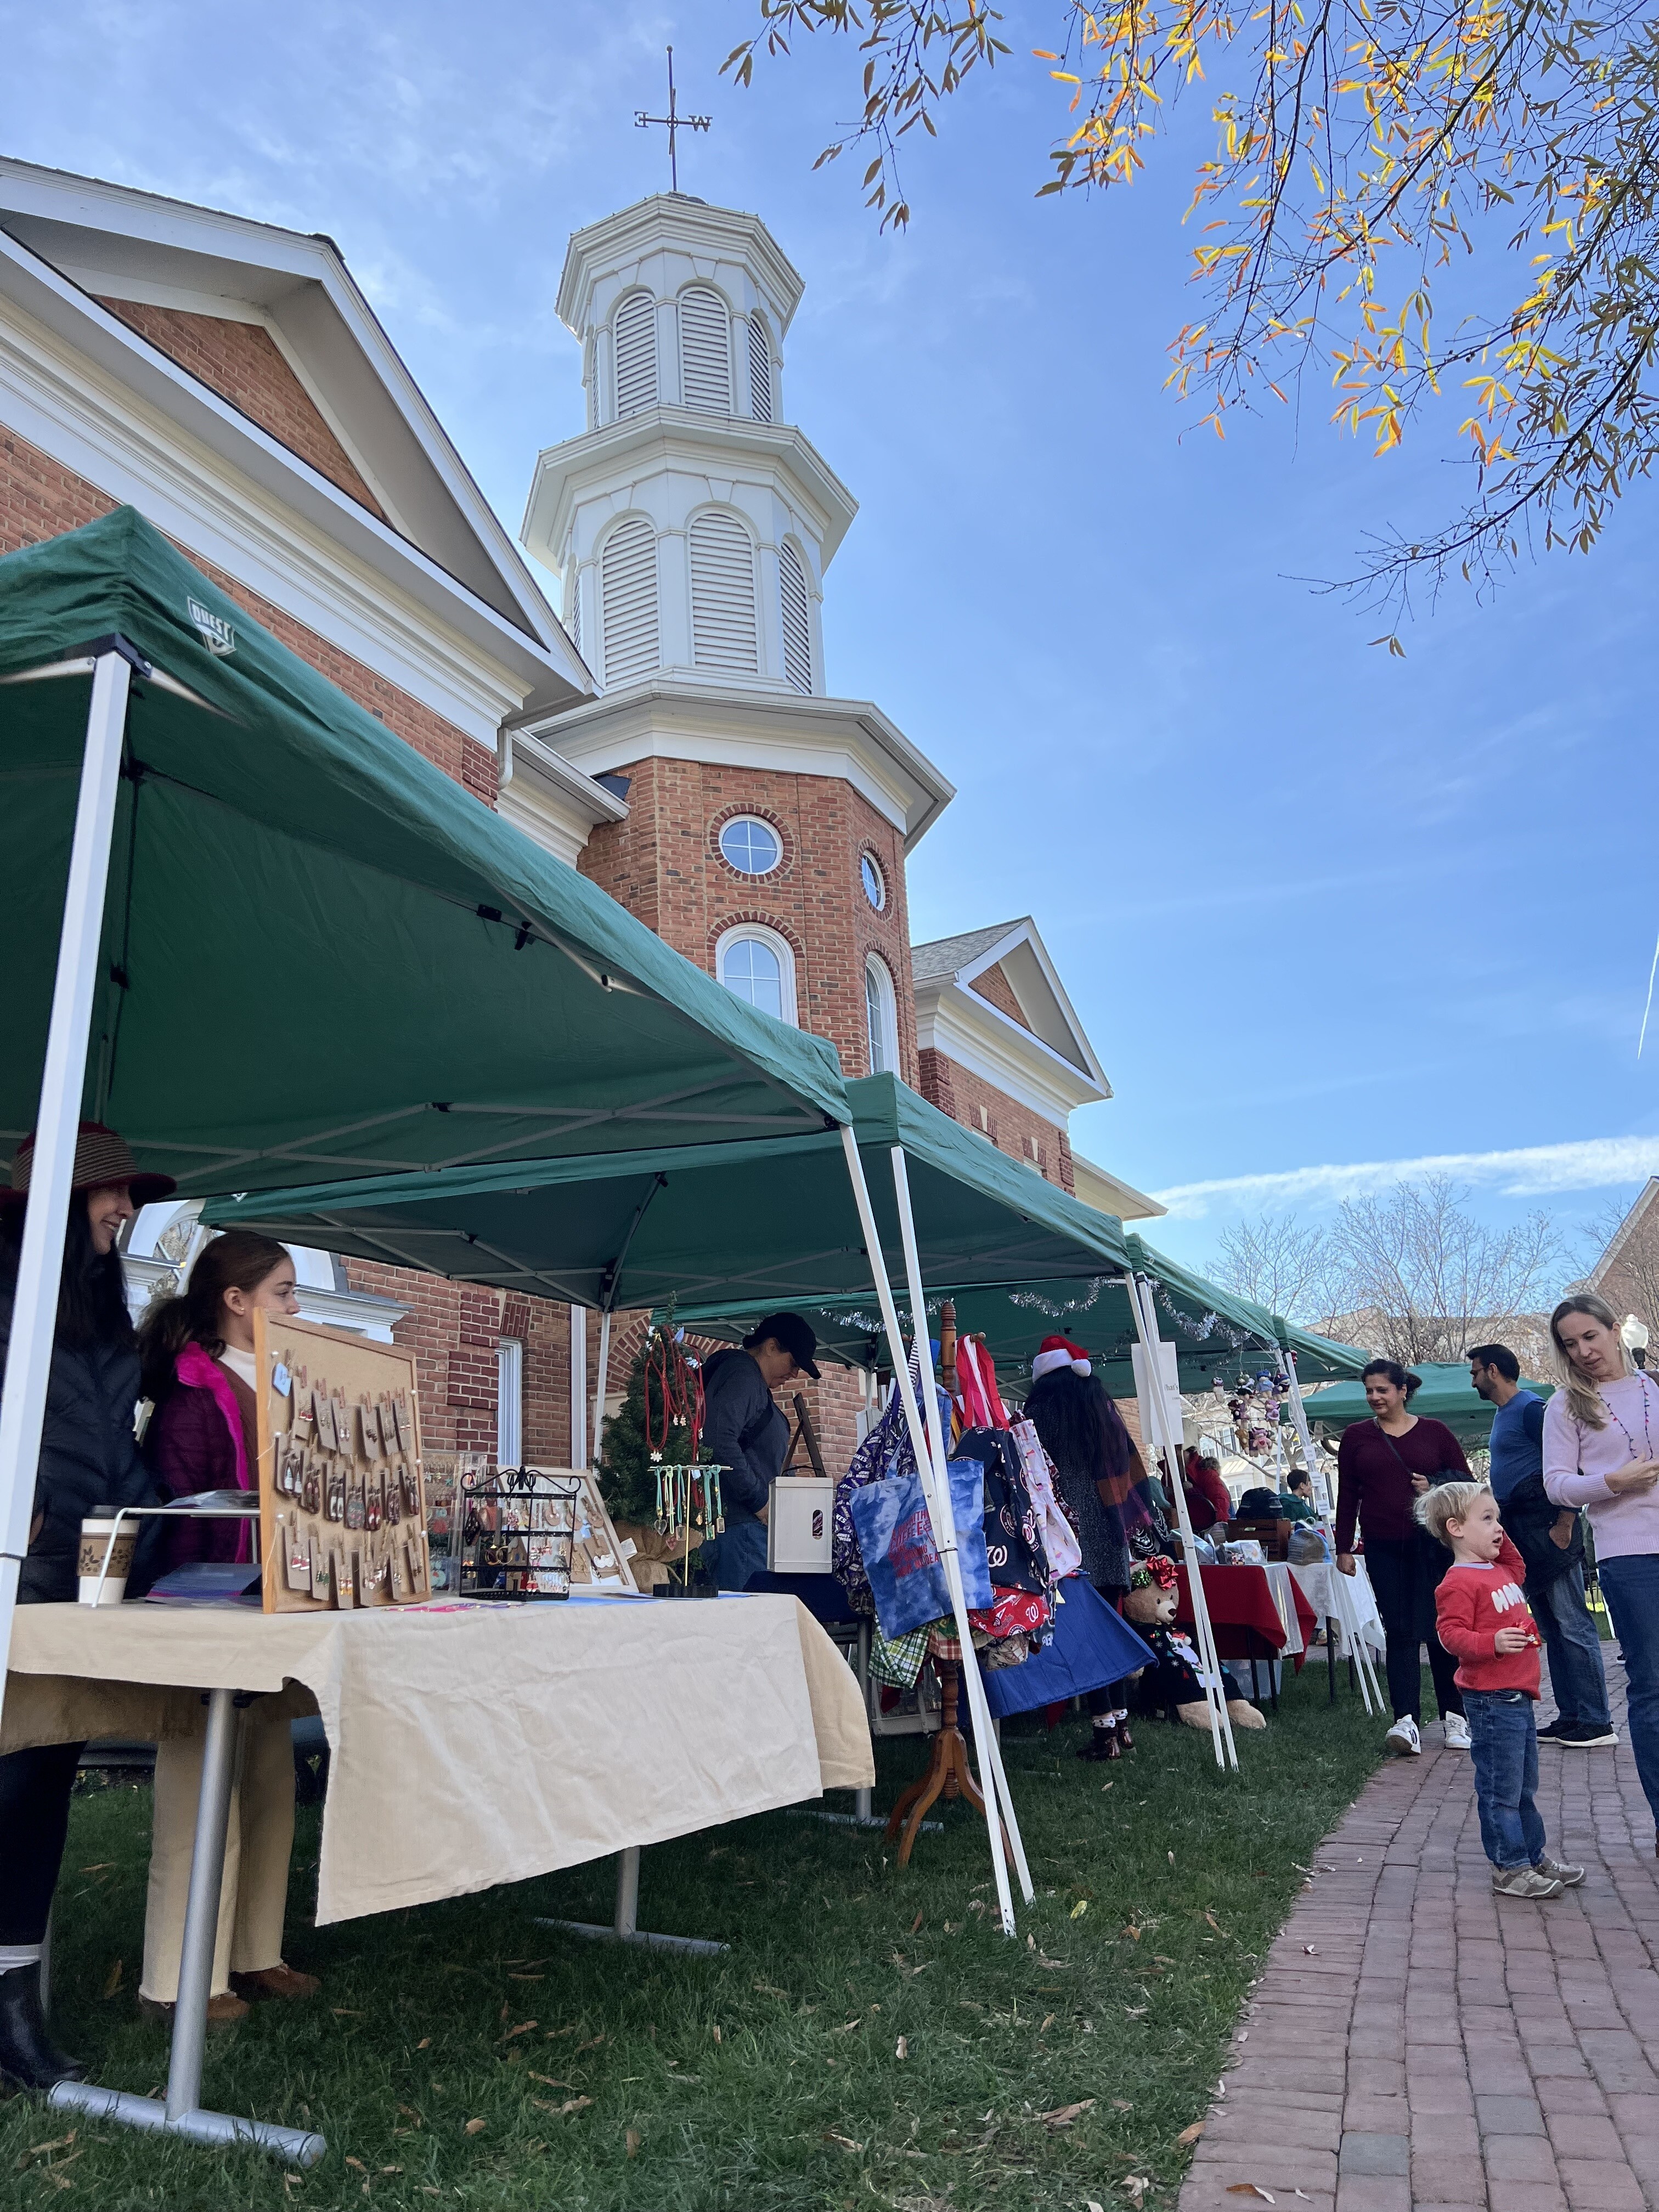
(796, 623)
(636, 354)
(628, 579)
(760, 370)
(723, 630)
(705, 351)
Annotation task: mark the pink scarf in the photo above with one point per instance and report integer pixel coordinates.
(197, 1372)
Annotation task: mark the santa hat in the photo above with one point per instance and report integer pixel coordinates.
(1060, 1351)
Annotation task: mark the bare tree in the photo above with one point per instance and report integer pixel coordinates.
(1281, 1265)
(1430, 1279)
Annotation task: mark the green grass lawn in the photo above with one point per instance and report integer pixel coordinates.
(461, 2054)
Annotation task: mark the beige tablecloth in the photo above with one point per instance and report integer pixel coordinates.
(471, 1747)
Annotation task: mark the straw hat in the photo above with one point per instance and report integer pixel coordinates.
(100, 1159)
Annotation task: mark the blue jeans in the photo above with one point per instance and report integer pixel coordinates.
(1631, 1585)
(736, 1553)
(1573, 1648)
(1504, 1739)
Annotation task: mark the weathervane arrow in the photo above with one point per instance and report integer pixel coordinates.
(674, 123)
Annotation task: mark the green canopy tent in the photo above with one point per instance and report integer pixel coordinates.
(1447, 1395)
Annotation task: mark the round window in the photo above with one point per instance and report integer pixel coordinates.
(875, 883)
(753, 847)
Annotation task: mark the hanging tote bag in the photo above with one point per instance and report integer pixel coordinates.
(896, 1537)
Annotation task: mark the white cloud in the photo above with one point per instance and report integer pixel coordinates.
(1528, 1171)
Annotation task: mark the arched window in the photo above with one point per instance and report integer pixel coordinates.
(881, 1017)
(797, 619)
(760, 368)
(627, 601)
(724, 632)
(756, 964)
(705, 350)
(635, 333)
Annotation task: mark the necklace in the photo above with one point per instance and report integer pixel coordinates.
(1646, 1438)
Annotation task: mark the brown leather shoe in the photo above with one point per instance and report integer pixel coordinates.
(223, 2011)
(1126, 1740)
(278, 1981)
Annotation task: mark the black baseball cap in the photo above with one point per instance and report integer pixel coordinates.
(796, 1336)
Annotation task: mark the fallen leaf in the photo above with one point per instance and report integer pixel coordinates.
(425, 2043)
(1063, 2115)
(344, 2011)
(915, 1926)
(1134, 2012)
(112, 1979)
(1135, 2186)
(1091, 2206)
(1054, 1966)
(842, 2142)
(1192, 2134)
(631, 2143)
(391, 2169)
(1215, 1923)
(44, 2149)
(358, 2163)
(770, 1989)
(902, 2048)
(1250, 2189)
(523, 2028)
(1132, 1932)
(475, 2127)
(570, 2104)
(1047, 2022)
(552, 2081)
(1308, 1948)
(1170, 1857)
(591, 2044)
(1079, 1908)
(1122, 2104)
(846, 2026)
(409, 2113)
(717, 2031)
(1105, 1785)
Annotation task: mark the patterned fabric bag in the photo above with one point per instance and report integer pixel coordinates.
(884, 1452)
(1059, 1537)
(896, 1540)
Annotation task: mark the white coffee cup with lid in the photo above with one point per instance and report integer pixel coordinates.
(100, 1541)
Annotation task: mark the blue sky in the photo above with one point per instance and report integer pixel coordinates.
(1320, 908)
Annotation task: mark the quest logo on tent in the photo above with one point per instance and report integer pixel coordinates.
(217, 635)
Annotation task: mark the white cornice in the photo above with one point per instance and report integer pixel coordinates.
(552, 802)
(970, 1031)
(663, 438)
(1109, 1193)
(124, 240)
(411, 626)
(669, 220)
(848, 739)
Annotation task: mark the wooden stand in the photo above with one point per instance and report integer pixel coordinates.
(947, 1774)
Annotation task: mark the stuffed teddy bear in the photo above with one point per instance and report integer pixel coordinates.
(1174, 1683)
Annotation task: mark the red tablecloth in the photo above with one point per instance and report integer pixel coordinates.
(1241, 1608)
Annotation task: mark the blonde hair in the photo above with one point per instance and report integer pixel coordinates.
(1448, 1501)
(1583, 1398)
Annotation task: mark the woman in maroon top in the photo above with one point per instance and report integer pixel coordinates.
(203, 1435)
(1383, 1468)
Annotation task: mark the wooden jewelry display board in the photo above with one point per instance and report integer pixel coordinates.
(342, 1503)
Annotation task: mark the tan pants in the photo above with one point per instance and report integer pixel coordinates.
(258, 1842)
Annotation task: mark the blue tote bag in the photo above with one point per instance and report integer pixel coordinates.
(896, 1537)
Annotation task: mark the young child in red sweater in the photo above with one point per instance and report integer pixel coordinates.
(1484, 1621)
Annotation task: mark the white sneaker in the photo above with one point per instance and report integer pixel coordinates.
(1403, 1741)
(1457, 1732)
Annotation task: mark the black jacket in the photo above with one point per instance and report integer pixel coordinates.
(1528, 1517)
(743, 1431)
(88, 1457)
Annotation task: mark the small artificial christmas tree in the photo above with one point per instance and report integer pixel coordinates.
(628, 1473)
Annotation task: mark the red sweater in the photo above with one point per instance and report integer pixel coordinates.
(1471, 1605)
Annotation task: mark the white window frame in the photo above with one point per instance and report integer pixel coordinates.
(867, 858)
(744, 874)
(875, 970)
(757, 932)
(509, 1402)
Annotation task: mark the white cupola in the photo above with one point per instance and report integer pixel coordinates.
(690, 524)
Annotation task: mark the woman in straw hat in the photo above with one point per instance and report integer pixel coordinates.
(88, 1464)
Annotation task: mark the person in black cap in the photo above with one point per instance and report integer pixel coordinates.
(745, 1432)
(88, 1464)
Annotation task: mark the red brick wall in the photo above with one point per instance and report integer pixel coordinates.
(997, 991)
(242, 363)
(1011, 1127)
(663, 864)
(40, 499)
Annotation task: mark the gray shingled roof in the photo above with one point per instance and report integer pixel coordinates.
(945, 955)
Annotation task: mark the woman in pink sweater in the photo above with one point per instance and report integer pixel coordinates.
(1601, 1452)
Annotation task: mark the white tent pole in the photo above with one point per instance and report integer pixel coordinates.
(1169, 1450)
(944, 1520)
(1348, 1613)
(600, 1381)
(985, 1739)
(41, 1264)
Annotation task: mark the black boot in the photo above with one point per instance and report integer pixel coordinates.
(27, 2055)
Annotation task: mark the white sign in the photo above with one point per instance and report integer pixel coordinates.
(1171, 1372)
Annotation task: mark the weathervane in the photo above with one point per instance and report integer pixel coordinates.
(673, 122)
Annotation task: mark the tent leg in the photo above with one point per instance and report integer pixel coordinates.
(987, 1745)
(600, 1382)
(944, 1536)
(34, 1307)
(1369, 1689)
(1169, 1450)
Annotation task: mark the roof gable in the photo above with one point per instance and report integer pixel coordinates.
(1009, 960)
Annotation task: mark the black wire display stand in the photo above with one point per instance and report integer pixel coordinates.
(517, 1527)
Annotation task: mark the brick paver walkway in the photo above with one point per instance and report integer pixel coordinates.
(1415, 2042)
